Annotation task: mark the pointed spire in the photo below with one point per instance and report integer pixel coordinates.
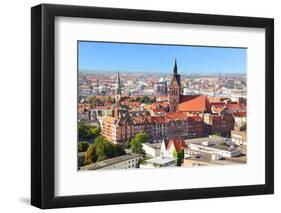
(118, 84)
(175, 67)
(118, 78)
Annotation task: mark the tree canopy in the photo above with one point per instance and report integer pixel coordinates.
(143, 99)
(83, 146)
(93, 100)
(136, 142)
(86, 132)
(101, 150)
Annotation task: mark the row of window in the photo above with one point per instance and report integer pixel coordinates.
(174, 92)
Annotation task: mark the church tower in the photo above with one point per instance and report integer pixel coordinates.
(116, 107)
(117, 89)
(175, 90)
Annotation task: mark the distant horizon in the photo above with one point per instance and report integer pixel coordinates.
(159, 58)
(152, 72)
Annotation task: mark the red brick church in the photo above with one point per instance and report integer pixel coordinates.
(179, 102)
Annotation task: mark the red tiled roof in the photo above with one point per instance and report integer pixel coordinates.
(101, 107)
(157, 105)
(131, 104)
(195, 118)
(163, 97)
(194, 103)
(176, 115)
(235, 106)
(217, 99)
(240, 114)
(83, 107)
(178, 143)
(158, 119)
(158, 110)
(164, 104)
(217, 104)
(221, 117)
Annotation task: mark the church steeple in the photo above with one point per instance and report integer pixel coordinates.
(118, 88)
(175, 68)
(175, 90)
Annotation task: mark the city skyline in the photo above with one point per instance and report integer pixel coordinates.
(97, 56)
(134, 118)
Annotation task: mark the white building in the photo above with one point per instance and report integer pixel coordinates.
(152, 149)
(215, 149)
(171, 147)
(128, 161)
(159, 162)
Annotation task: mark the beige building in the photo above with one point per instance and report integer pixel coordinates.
(240, 119)
(123, 128)
(240, 139)
(109, 130)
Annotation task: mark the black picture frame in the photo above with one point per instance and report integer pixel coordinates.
(43, 102)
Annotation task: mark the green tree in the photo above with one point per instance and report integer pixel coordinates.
(82, 131)
(153, 100)
(83, 146)
(136, 143)
(90, 155)
(93, 132)
(105, 149)
(93, 100)
(87, 133)
(101, 150)
(217, 134)
(142, 137)
(145, 99)
(125, 107)
(110, 99)
(119, 150)
(179, 155)
(99, 140)
(136, 146)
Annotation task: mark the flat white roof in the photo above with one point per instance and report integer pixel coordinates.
(110, 161)
(160, 160)
(153, 145)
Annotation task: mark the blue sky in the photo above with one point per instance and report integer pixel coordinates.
(107, 56)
